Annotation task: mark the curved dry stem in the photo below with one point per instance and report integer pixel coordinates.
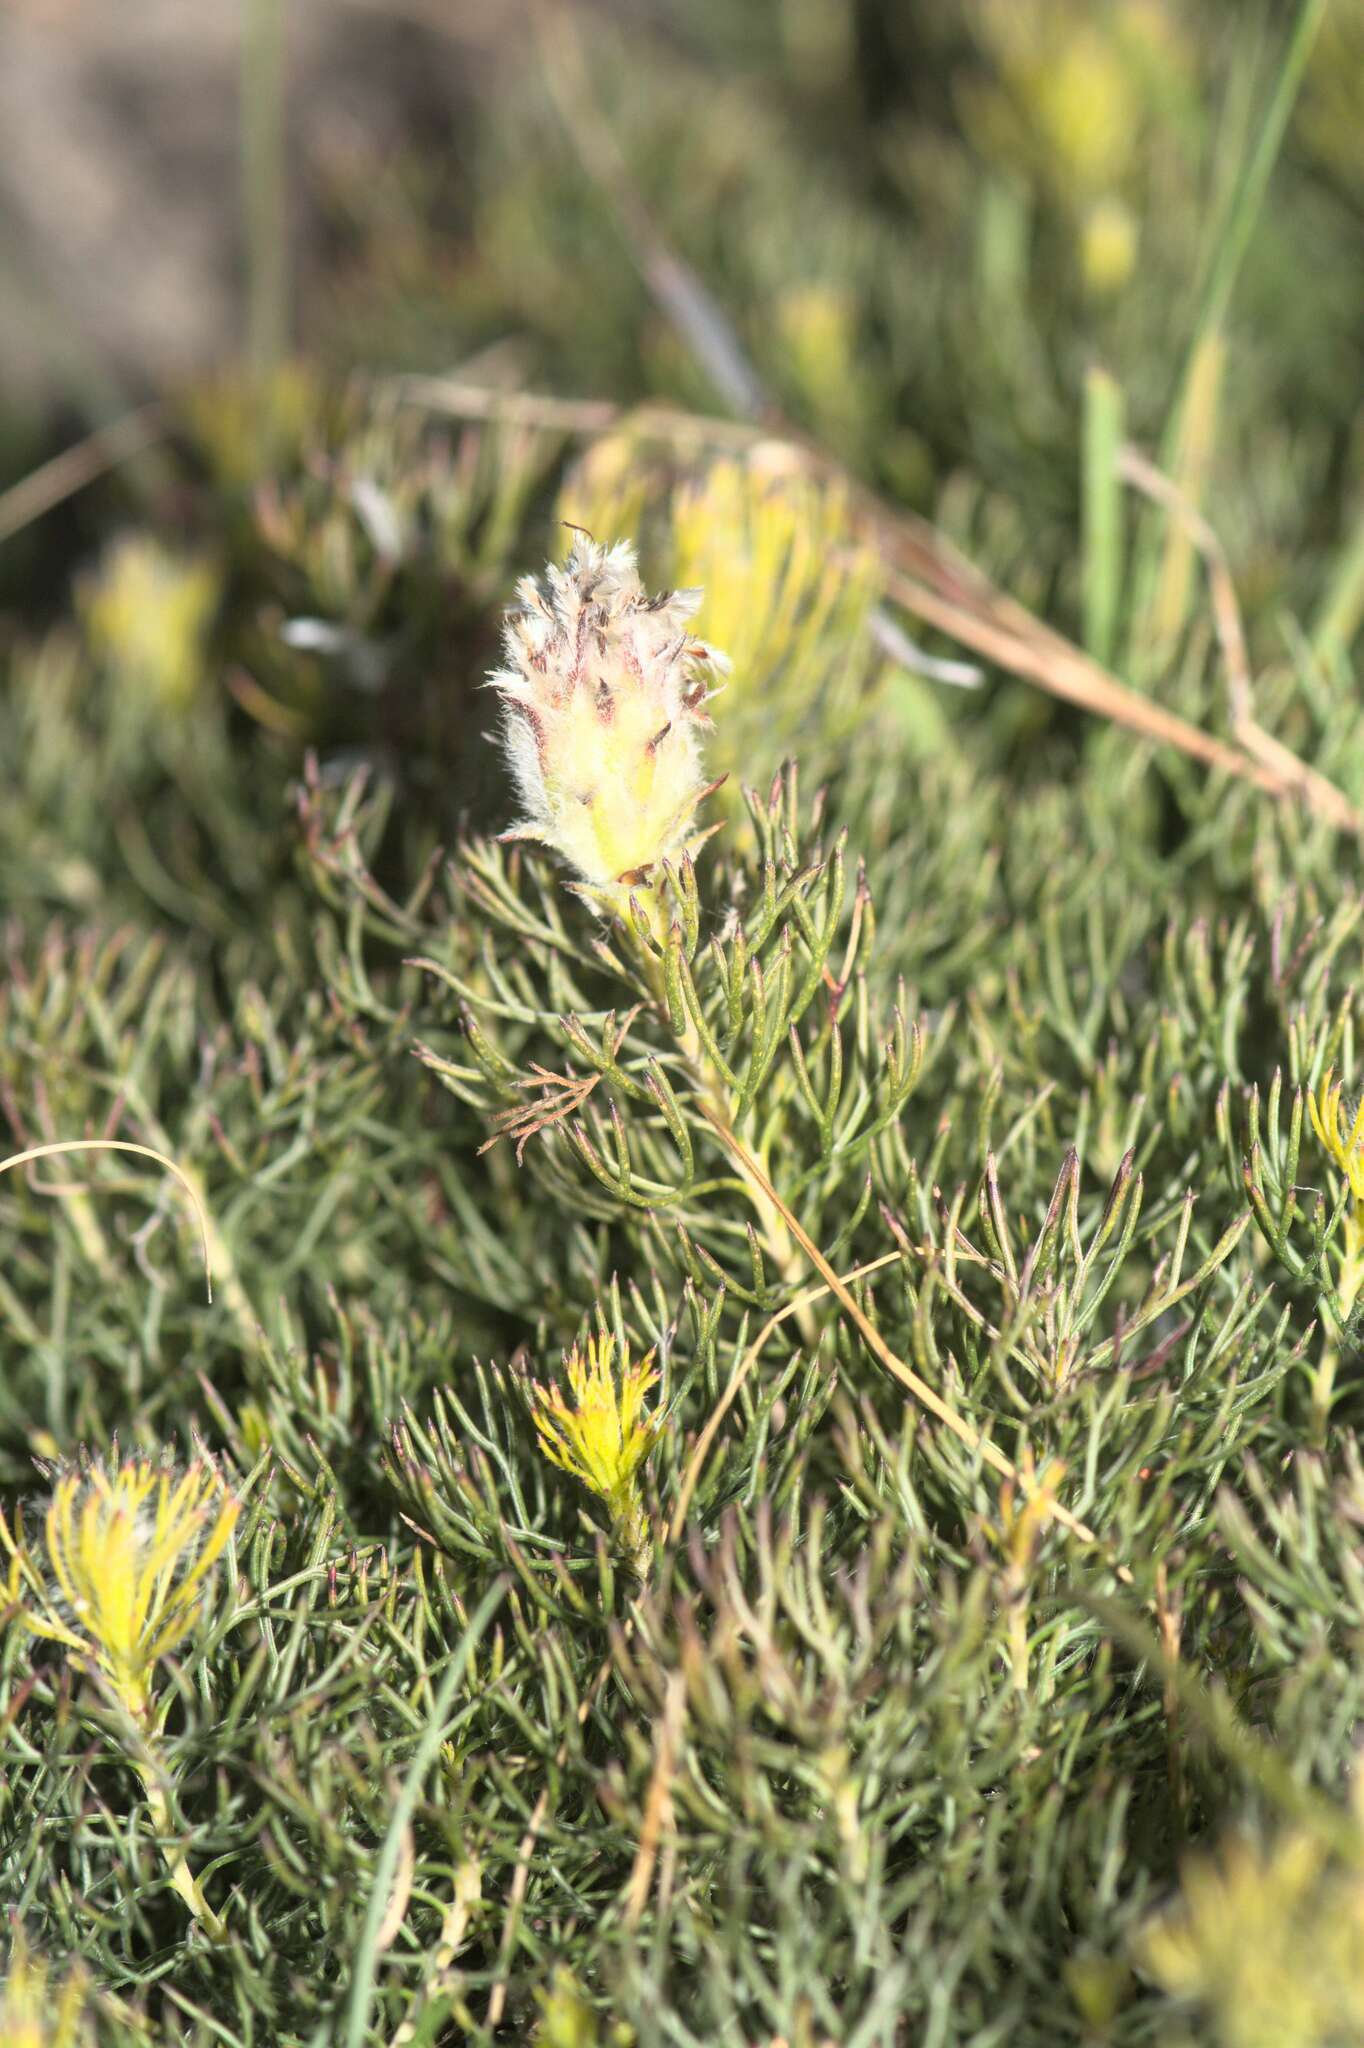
(1277, 759)
(78, 466)
(702, 1446)
(62, 1145)
(988, 1452)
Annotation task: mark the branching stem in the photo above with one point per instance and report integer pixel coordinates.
(988, 1452)
(773, 1229)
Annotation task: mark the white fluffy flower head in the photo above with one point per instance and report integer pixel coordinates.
(604, 689)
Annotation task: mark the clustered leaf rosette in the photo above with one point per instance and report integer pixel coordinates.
(604, 691)
(603, 1435)
(120, 1571)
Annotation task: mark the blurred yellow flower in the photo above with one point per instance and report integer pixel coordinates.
(1076, 89)
(1065, 105)
(1108, 246)
(120, 1575)
(614, 487)
(1270, 1940)
(604, 1434)
(1081, 97)
(816, 325)
(787, 584)
(35, 2012)
(147, 613)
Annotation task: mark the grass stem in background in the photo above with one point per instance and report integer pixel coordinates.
(1102, 512)
(264, 185)
(1165, 556)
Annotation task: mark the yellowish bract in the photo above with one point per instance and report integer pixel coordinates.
(1341, 1136)
(1271, 1939)
(147, 612)
(603, 1435)
(35, 2012)
(605, 689)
(120, 1575)
(1109, 239)
(787, 581)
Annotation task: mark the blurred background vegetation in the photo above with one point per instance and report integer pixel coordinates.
(317, 321)
(928, 225)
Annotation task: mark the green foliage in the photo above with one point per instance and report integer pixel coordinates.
(819, 1716)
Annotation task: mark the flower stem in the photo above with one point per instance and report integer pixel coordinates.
(775, 1237)
(181, 1876)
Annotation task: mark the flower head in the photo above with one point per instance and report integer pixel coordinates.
(604, 690)
(34, 2012)
(1341, 1133)
(1109, 245)
(1271, 1938)
(605, 1434)
(120, 1573)
(790, 582)
(1025, 1507)
(1340, 1130)
(148, 613)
